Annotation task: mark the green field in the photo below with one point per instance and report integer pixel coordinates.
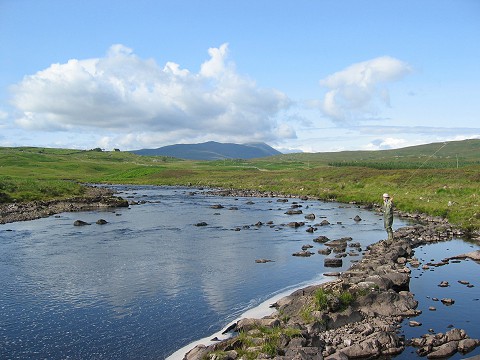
(438, 179)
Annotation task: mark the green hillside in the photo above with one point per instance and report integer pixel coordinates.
(438, 179)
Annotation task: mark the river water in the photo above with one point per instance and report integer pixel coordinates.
(150, 281)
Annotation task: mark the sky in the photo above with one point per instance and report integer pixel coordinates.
(299, 75)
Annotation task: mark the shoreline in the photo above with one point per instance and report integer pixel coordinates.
(94, 198)
(355, 331)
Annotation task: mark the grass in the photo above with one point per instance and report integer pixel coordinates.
(437, 189)
(262, 339)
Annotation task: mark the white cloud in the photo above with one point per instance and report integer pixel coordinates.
(125, 97)
(357, 92)
(387, 143)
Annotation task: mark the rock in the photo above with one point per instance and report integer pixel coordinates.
(455, 335)
(333, 262)
(467, 345)
(310, 217)
(80, 223)
(321, 239)
(444, 351)
(293, 212)
(102, 222)
(414, 323)
(444, 284)
(263, 261)
(203, 223)
(326, 251)
(303, 253)
(216, 206)
(357, 218)
(295, 224)
(448, 301)
(307, 246)
(336, 273)
(366, 349)
(337, 243)
(324, 223)
(463, 282)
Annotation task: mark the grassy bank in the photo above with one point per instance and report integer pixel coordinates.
(446, 184)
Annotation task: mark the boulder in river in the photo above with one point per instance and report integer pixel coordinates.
(80, 223)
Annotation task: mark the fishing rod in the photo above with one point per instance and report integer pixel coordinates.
(423, 164)
(416, 170)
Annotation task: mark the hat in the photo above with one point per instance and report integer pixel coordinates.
(386, 195)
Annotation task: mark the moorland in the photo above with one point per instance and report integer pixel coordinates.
(439, 179)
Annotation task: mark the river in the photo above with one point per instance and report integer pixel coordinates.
(150, 281)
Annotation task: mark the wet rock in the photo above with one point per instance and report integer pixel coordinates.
(202, 223)
(303, 253)
(332, 262)
(443, 351)
(357, 218)
(448, 301)
(467, 345)
(444, 284)
(263, 261)
(101, 222)
(295, 224)
(326, 251)
(293, 212)
(216, 206)
(321, 239)
(414, 323)
(324, 223)
(80, 223)
(310, 217)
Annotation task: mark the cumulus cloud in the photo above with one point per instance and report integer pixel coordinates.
(357, 92)
(126, 97)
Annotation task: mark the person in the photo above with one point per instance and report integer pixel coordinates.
(388, 215)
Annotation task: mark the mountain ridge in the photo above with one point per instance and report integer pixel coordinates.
(212, 150)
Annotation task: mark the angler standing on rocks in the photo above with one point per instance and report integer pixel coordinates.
(388, 215)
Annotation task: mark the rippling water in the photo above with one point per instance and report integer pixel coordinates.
(149, 281)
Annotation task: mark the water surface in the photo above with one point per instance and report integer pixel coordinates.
(149, 281)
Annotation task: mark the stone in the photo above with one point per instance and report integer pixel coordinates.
(333, 262)
(80, 223)
(101, 222)
(321, 239)
(467, 345)
(444, 351)
(216, 206)
(310, 217)
(448, 301)
(203, 223)
(303, 253)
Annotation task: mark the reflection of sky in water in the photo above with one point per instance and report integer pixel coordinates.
(149, 281)
(465, 312)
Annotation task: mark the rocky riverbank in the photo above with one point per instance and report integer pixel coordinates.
(357, 315)
(94, 198)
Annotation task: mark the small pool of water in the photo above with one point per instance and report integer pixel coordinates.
(464, 313)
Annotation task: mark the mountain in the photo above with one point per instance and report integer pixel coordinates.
(212, 150)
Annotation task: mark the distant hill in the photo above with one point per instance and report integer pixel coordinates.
(212, 150)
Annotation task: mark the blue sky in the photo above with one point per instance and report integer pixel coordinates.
(299, 75)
